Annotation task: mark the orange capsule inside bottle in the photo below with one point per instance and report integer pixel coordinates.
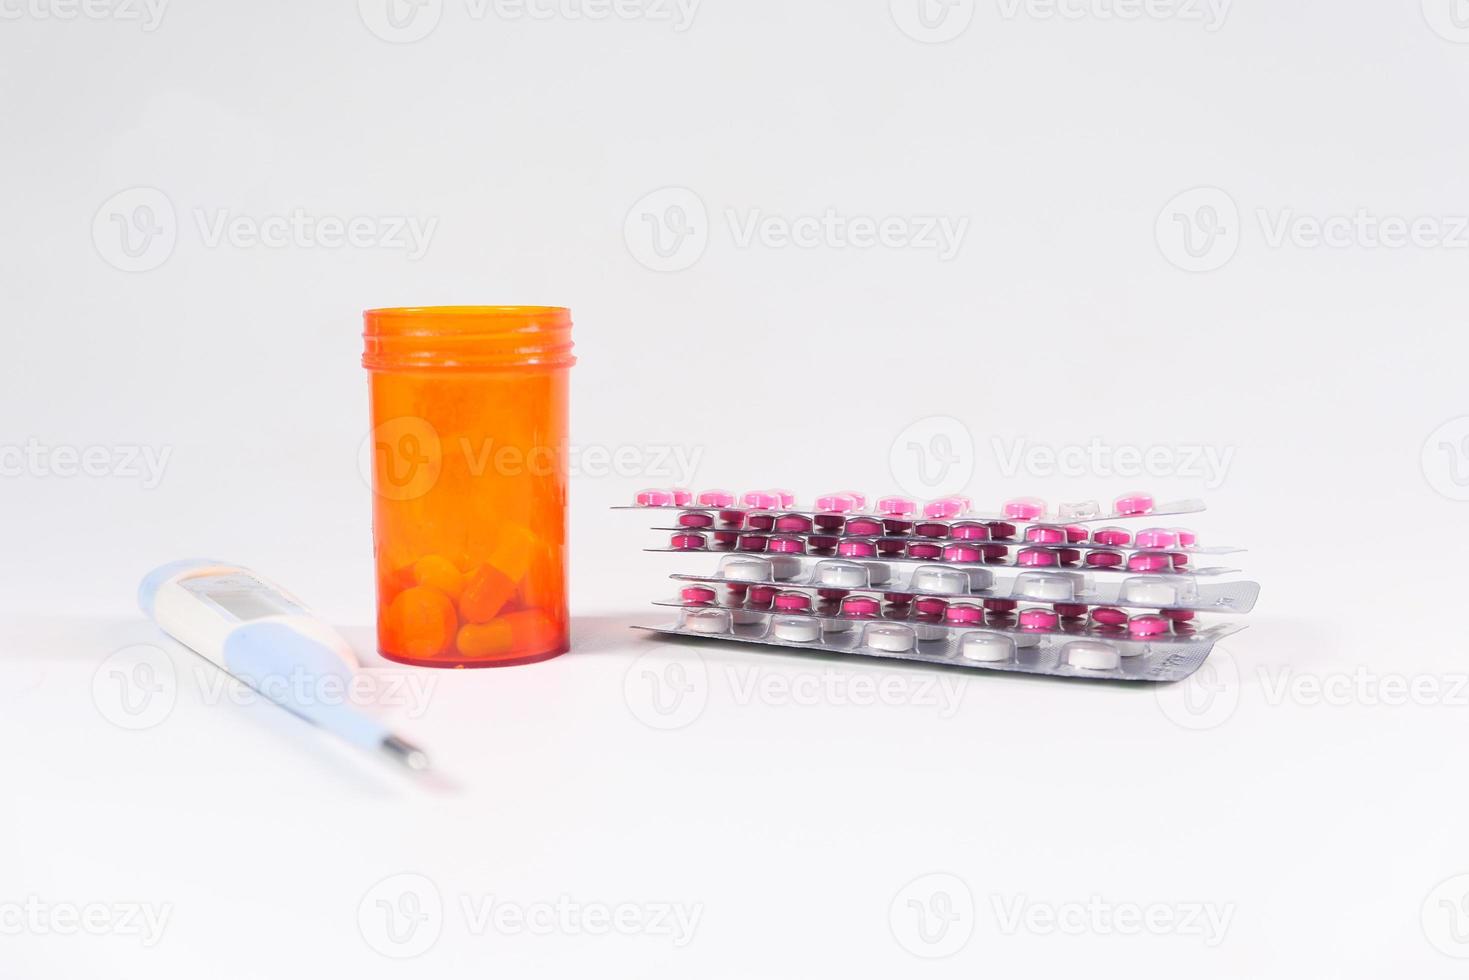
(469, 473)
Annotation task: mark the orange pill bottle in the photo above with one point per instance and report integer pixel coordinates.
(468, 447)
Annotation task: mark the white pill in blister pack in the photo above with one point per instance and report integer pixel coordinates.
(842, 575)
(986, 647)
(1092, 655)
(707, 620)
(784, 567)
(940, 580)
(1047, 586)
(747, 569)
(889, 638)
(1153, 592)
(747, 617)
(797, 629)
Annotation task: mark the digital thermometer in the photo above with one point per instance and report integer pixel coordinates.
(265, 638)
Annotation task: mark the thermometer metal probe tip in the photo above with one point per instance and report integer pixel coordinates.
(405, 752)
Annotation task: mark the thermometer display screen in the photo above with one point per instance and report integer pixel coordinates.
(242, 597)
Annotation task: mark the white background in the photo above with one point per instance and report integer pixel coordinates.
(1309, 787)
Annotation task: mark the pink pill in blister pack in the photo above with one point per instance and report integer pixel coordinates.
(787, 546)
(838, 503)
(897, 506)
(829, 522)
(856, 548)
(1107, 616)
(947, 507)
(995, 552)
(760, 522)
(1045, 534)
(761, 595)
(1134, 503)
(1186, 538)
(962, 551)
(833, 595)
(1024, 508)
(715, 498)
(695, 519)
(1157, 538)
(1070, 610)
(891, 526)
(759, 499)
(1112, 537)
(864, 525)
(681, 497)
(753, 542)
(732, 518)
(1178, 615)
(822, 542)
(688, 541)
(695, 594)
(1148, 561)
(1068, 556)
(924, 549)
(891, 546)
(1037, 558)
(930, 529)
(928, 605)
(792, 602)
(655, 498)
(970, 531)
(725, 539)
(793, 523)
(784, 498)
(1001, 605)
(897, 598)
(1002, 530)
(860, 605)
(1104, 559)
(1147, 625)
(1180, 560)
(1039, 619)
(1076, 533)
(963, 614)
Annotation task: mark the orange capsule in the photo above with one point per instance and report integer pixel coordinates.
(438, 572)
(485, 593)
(516, 634)
(420, 622)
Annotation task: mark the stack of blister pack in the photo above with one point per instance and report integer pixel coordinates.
(1114, 592)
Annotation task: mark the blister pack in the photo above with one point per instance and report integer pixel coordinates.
(1013, 591)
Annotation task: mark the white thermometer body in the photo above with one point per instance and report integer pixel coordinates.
(264, 637)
